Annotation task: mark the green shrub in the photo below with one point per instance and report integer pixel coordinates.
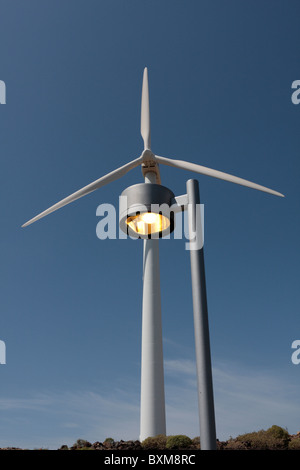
(235, 444)
(109, 440)
(196, 442)
(294, 444)
(278, 432)
(64, 447)
(156, 442)
(259, 440)
(179, 442)
(82, 444)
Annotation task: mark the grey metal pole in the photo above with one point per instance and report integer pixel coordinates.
(201, 325)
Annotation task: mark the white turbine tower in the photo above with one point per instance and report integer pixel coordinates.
(152, 418)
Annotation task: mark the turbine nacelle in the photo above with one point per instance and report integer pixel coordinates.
(149, 164)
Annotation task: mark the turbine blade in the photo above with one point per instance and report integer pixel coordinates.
(145, 112)
(112, 176)
(214, 173)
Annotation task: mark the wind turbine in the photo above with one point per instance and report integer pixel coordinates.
(152, 417)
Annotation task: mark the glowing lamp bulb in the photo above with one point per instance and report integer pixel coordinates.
(148, 223)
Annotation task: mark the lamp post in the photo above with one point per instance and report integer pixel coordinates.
(138, 219)
(201, 324)
(152, 412)
(148, 213)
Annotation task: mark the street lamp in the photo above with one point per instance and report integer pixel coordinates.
(147, 212)
(150, 225)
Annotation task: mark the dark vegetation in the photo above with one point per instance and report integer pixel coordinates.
(274, 438)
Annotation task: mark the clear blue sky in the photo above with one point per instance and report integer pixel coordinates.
(220, 77)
